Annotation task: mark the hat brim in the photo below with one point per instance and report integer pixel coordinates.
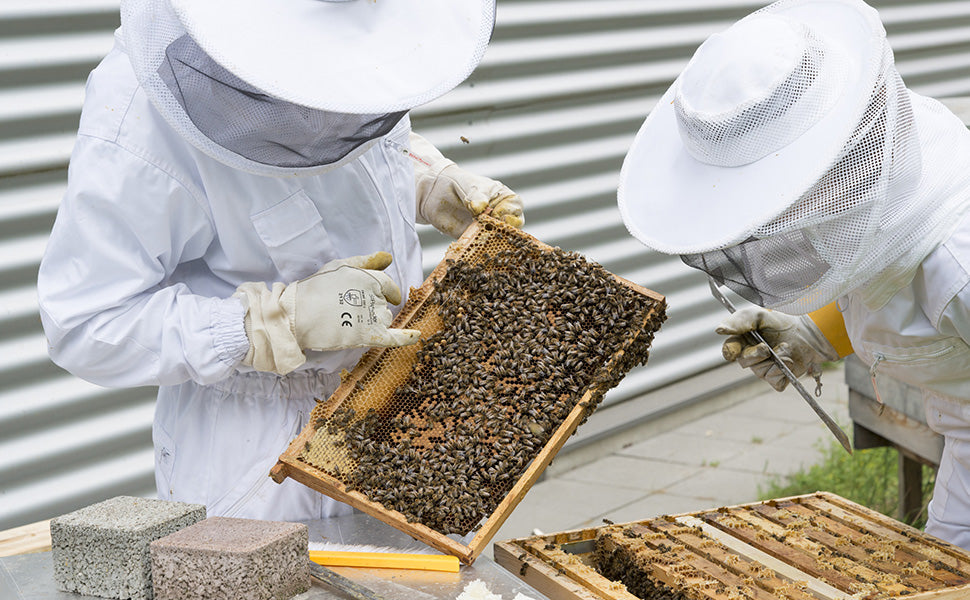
(357, 56)
(676, 204)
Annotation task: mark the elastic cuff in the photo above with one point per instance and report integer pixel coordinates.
(831, 325)
(228, 330)
(818, 342)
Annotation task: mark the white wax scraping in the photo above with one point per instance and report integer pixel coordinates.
(478, 590)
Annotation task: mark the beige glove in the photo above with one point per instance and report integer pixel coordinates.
(449, 197)
(343, 305)
(795, 339)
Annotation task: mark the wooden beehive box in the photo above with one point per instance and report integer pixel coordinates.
(811, 547)
(443, 439)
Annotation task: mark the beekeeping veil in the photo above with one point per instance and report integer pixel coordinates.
(274, 87)
(790, 162)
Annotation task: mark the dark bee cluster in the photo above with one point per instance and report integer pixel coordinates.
(525, 334)
(622, 566)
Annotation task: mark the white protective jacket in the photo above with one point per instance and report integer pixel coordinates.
(921, 337)
(151, 240)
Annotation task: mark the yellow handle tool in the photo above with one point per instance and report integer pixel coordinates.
(386, 560)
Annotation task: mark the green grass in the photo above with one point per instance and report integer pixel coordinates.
(867, 477)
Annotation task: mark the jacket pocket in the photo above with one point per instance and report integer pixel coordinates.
(294, 235)
(940, 365)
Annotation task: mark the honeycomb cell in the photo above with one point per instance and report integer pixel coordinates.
(514, 336)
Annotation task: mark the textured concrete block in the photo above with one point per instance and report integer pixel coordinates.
(223, 558)
(102, 550)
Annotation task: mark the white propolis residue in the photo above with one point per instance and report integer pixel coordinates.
(477, 590)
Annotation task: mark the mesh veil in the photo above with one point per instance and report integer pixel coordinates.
(174, 76)
(887, 200)
(255, 125)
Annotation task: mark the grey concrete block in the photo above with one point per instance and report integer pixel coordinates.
(102, 550)
(224, 558)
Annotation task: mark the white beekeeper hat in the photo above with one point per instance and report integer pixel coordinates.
(347, 56)
(790, 162)
(759, 114)
(298, 87)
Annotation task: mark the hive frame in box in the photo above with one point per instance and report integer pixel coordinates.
(559, 564)
(291, 466)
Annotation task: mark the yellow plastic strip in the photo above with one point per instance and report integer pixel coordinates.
(830, 323)
(386, 560)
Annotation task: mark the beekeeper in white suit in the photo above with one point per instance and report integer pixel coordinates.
(243, 176)
(790, 162)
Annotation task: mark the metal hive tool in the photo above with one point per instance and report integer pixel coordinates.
(441, 439)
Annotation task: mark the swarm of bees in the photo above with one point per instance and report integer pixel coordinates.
(621, 563)
(526, 335)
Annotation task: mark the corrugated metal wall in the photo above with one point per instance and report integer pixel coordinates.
(551, 112)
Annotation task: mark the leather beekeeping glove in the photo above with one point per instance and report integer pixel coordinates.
(449, 197)
(343, 305)
(795, 339)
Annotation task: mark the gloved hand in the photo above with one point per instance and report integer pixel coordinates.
(449, 197)
(343, 305)
(795, 339)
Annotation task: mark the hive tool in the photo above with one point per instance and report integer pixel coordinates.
(833, 427)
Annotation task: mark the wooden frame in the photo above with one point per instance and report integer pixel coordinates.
(562, 566)
(26, 539)
(291, 466)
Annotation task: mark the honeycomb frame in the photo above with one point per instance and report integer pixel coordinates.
(388, 368)
(816, 546)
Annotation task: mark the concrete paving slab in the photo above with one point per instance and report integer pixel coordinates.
(557, 505)
(776, 458)
(720, 486)
(838, 411)
(778, 407)
(630, 472)
(809, 437)
(681, 447)
(788, 405)
(726, 425)
(656, 505)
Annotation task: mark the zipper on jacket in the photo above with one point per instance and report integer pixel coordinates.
(239, 504)
(402, 149)
(872, 376)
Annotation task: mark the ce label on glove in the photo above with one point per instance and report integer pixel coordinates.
(353, 298)
(359, 300)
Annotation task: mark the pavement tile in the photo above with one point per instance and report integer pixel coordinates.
(656, 505)
(682, 448)
(557, 505)
(728, 426)
(838, 411)
(720, 486)
(776, 458)
(809, 437)
(630, 472)
(776, 406)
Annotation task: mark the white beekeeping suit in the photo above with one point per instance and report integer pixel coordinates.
(790, 162)
(241, 179)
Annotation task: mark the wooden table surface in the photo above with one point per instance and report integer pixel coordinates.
(27, 539)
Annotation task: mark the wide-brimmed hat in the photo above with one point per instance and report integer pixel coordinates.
(759, 114)
(347, 56)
